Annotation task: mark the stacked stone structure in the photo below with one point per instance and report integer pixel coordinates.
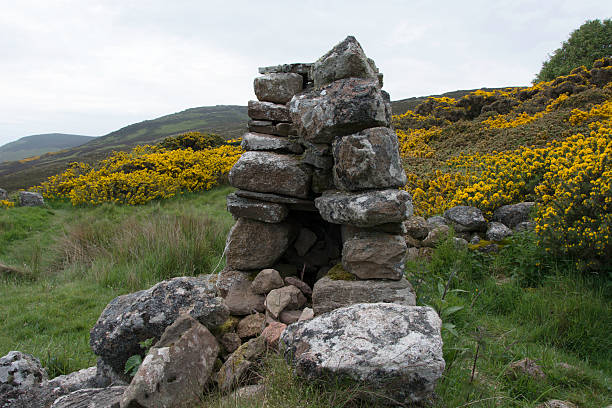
(318, 188)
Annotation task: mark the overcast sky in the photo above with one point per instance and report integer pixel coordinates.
(90, 67)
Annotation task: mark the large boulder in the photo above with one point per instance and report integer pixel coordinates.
(392, 349)
(268, 172)
(365, 209)
(30, 199)
(91, 398)
(261, 142)
(465, 218)
(255, 245)
(329, 294)
(345, 60)
(277, 87)
(257, 210)
(344, 107)
(368, 160)
(375, 255)
(513, 214)
(268, 111)
(176, 369)
(135, 317)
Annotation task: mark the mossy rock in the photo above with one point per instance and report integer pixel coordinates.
(339, 273)
(227, 327)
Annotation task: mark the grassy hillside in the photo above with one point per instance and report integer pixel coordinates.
(37, 145)
(228, 121)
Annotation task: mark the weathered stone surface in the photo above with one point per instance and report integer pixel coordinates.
(416, 227)
(375, 255)
(228, 278)
(496, 231)
(268, 111)
(85, 378)
(342, 108)
(289, 316)
(3, 194)
(435, 221)
(322, 180)
(557, 404)
(288, 297)
(255, 245)
(363, 342)
(307, 314)
(304, 241)
(272, 333)
(436, 235)
(106, 376)
(271, 128)
(277, 87)
(292, 202)
(130, 319)
(267, 172)
(513, 214)
(345, 60)
(329, 294)
(238, 365)
(301, 285)
(176, 369)
(20, 370)
(320, 161)
(365, 209)
(30, 199)
(261, 142)
(264, 211)
(91, 398)
(465, 218)
(266, 280)
(251, 326)
(302, 68)
(230, 342)
(241, 300)
(368, 160)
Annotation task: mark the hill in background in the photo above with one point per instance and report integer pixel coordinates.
(226, 120)
(36, 145)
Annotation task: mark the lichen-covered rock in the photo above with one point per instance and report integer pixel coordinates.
(92, 397)
(261, 142)
(255, 245)
(318, 155)
(302, 68)
(345, 60)
(85, 378)
(267, 280)
(368, 160)
(176, 369)
(329, 294)
(271, 334)
(513, 214)
(267, 172)
(135, 317)
(465, 218)
(365, 209)
(20, 370)
(496, 231)
(301, 285)
(375, 255)
(435, 221)
(271, 128)
(287, 297)
(277, 87)
(30, 199)
(264, 211)
(364, 342)
(416, 227)
(268, 111)
(236, 368)
(436, 235)
(344, 107)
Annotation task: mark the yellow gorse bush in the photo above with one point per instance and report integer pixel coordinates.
(6, 204)
(507, 121)
(141, 175)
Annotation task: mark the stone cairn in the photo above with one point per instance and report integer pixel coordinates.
(318, 201)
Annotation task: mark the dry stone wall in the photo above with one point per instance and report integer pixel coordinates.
(317, 191)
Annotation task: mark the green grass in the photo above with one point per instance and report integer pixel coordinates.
(78, 259)
(515, 304)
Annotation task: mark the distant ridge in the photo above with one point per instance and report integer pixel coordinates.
(36, 145)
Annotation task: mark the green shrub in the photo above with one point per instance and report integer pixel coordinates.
(192, 140)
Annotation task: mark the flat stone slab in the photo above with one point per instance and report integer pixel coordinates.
(375, 255)
(329, 294)
(302, 68)
(391, 349)
(293, 203)
(267, 172)
(277, 87)
(264, 211)
(259, 141)
(268, 111)
(365, 209)
(91, 397)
